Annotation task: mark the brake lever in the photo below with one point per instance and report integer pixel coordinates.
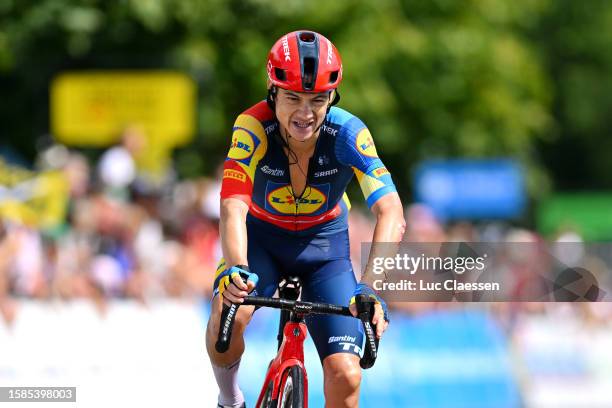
(365, 313)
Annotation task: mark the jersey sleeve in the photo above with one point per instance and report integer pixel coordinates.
(355, 147)
(248, 146)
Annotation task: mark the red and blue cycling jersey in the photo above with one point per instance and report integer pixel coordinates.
(256, 171)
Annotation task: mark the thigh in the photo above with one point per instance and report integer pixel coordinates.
(333, 282)
(261, 262)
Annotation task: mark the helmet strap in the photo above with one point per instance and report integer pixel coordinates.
(271, 98)
(335, 101)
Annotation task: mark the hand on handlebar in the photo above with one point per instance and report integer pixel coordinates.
(380, 320)
(235, 283)
(363, 309)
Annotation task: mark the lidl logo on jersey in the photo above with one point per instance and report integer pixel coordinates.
(281, 199)
(243, 145)
(365, 143)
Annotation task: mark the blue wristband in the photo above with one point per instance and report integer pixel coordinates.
(363, 289)
(225, 278)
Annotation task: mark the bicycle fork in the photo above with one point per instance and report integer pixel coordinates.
(290, 353)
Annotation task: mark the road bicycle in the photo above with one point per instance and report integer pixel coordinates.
(286, 382)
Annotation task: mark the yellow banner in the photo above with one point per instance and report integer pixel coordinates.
(93, 108)
(34, 199)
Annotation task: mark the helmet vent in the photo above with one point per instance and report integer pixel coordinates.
(308, 50)
(309, 74)
(333, 77)
(280, 74)
(307, 36)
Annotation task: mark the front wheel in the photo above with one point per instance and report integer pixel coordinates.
(291, 393)
(266, 402)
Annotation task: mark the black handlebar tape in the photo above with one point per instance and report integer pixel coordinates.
(365, 312)
(297, 306)
(228, 315)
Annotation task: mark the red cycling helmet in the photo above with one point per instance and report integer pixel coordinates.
(304, 61)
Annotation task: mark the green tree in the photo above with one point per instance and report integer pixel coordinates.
(574, 39)
(441, 78)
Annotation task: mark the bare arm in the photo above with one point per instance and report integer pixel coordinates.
(389, 230)
(234, 245)
(233, 231)
(390, 227)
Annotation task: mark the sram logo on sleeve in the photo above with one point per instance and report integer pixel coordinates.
(365, 143)
(282, 200)
(243, 144)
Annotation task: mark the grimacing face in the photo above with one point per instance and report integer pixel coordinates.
(301, 113)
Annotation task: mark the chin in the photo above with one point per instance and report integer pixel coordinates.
(302, 135)
(302, 138)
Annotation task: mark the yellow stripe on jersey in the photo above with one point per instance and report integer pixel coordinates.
(367, 183)
(242, 141)
(346, 200)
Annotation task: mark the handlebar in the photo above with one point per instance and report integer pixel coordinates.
(365, 312)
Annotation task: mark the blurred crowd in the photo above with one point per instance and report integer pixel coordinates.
(123, 236)
(127, 236)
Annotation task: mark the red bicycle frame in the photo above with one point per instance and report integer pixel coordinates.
(291, 353)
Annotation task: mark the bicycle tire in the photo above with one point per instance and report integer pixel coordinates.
(266, 402)
(291, 394)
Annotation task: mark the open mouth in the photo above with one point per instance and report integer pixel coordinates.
(302, 125)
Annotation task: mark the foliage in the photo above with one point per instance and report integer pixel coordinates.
(431, 78)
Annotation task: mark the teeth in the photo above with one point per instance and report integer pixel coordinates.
(302, 124)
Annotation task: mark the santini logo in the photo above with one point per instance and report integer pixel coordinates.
(272, 172)
(334, 339)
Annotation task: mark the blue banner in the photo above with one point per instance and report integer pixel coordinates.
(442, 359)
(471, 189)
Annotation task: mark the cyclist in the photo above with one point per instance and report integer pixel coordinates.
(284, 210)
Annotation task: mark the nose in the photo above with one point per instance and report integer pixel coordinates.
(305, 110)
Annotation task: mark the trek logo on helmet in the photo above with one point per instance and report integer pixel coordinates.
(285, 42)
(298, 61)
